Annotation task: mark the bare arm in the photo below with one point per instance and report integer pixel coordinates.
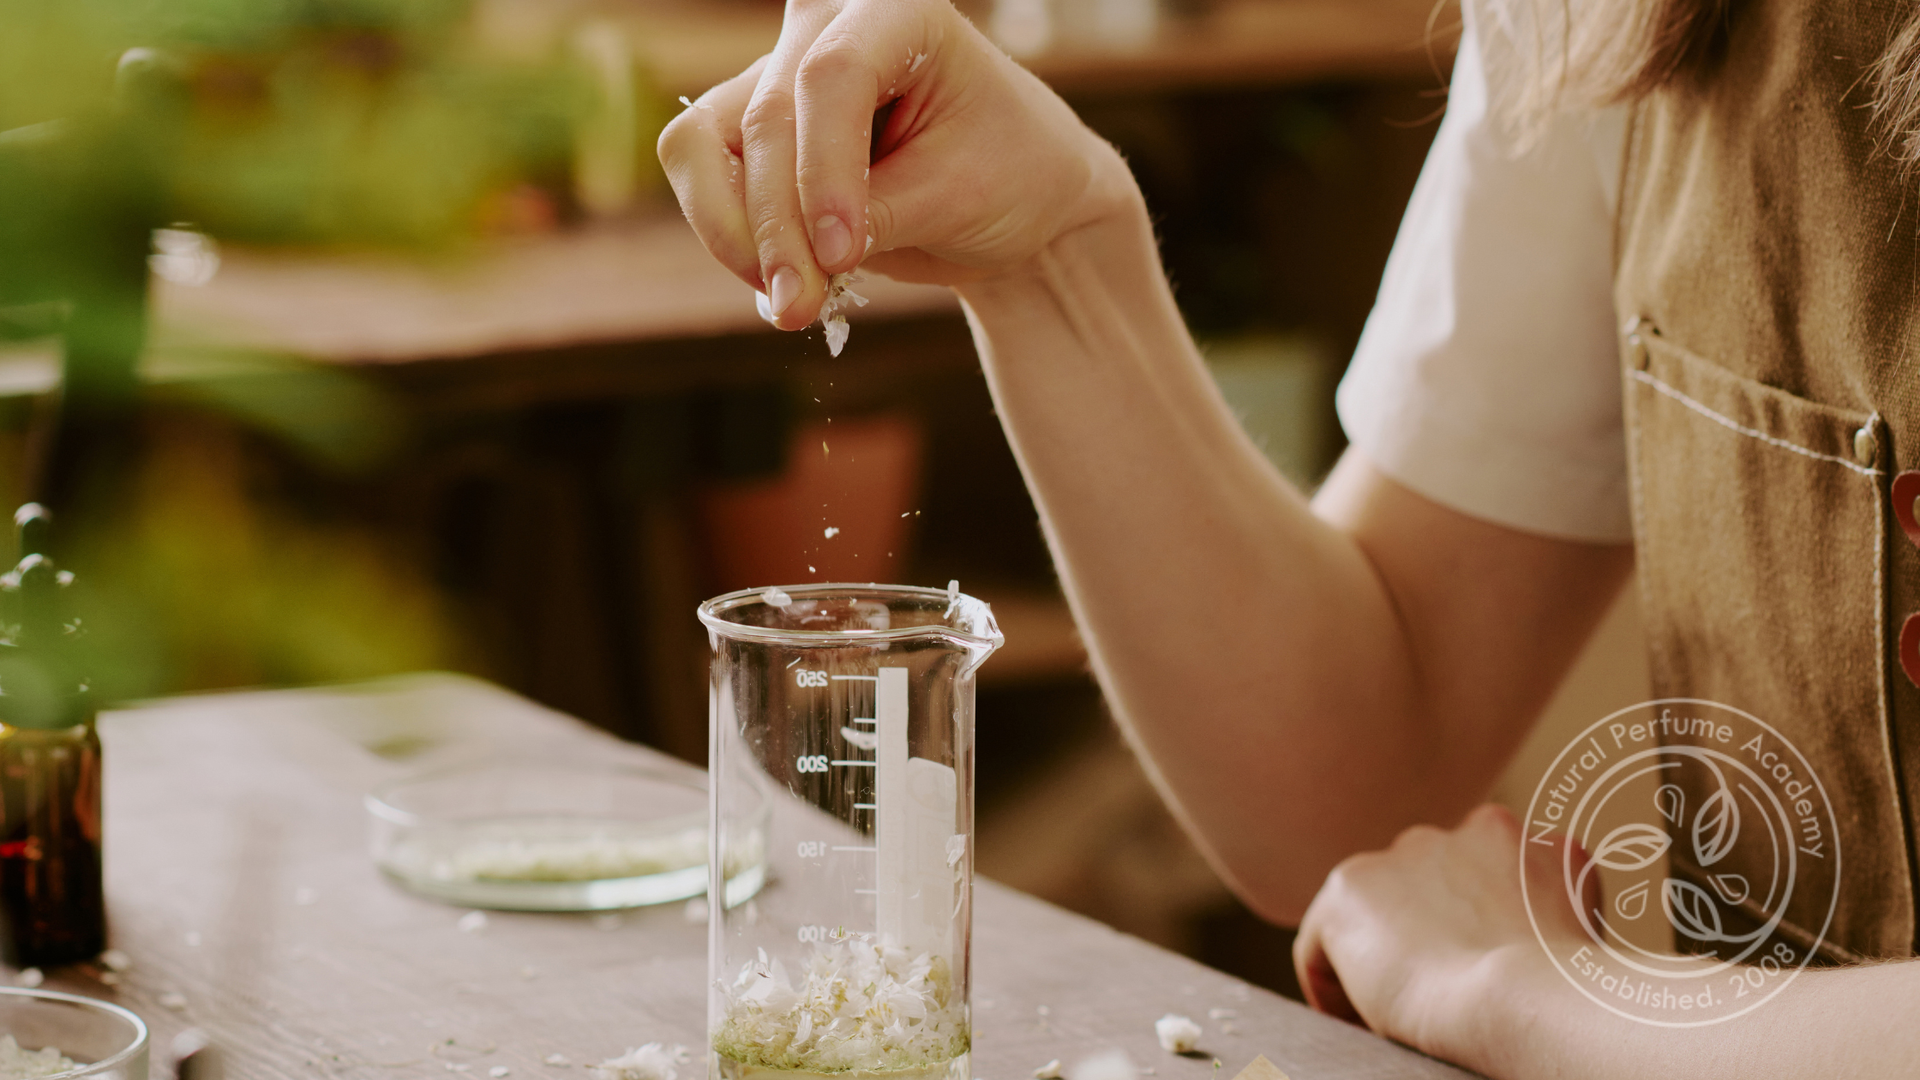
(1851, 1022)
(1302, 682)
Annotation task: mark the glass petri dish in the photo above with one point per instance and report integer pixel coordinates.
(558, 837)
(106, 1041)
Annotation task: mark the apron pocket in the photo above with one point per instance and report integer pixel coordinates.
(1759, 521)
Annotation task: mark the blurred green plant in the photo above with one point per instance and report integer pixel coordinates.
(393, 123)
(297, 121)
(203, 584)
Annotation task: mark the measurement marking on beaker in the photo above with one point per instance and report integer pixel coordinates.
(866, 892)
(863, 719)
(858, 678)
(856, 849)
(867, 764)
(866, 806)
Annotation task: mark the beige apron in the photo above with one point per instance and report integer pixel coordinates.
(1768, 280)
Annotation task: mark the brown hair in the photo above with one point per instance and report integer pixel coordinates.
(1561, 54)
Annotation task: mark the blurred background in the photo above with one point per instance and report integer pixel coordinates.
(352, 337)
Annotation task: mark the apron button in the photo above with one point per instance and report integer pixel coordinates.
(1865, 446)
(1637, 353)
(1906, 504)
(1910, 648)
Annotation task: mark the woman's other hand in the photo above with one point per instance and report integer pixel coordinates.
(975, 167)
(1429, 941)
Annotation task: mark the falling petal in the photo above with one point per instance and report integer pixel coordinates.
(836, 330)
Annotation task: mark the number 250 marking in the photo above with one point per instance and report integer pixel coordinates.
(807, 678)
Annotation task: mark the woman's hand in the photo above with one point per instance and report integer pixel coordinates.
(1426, 941)
(976, 165)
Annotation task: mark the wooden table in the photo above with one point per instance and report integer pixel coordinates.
(238, 882)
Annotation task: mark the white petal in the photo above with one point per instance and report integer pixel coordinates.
(1178, 1034)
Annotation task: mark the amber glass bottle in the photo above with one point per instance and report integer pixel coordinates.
(52, 909)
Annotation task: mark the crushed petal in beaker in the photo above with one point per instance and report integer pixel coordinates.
(858, 1005)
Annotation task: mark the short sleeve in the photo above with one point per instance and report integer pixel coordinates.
(1487, 378)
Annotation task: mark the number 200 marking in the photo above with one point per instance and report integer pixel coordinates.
(811, 763)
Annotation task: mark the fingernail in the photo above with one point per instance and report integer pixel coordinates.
(760, 305)
(786, 288)
(832, 242)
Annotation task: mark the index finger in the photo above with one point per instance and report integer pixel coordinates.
(700, 152)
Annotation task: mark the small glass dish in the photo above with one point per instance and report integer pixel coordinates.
(557, 837)
(107, 1041)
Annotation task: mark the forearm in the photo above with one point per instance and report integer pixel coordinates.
(1247, 647)
(1848, 1022)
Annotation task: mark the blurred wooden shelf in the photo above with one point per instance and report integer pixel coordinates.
(1247, 43)
(691, 46)
(639, 280)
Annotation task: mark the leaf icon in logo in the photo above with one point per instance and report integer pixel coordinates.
(1671, 801)
(1633, 903)
(1631, 847)
(1691, 910)
(1731, 887)
(1715, 827)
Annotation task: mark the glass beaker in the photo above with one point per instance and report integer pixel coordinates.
(848, 709)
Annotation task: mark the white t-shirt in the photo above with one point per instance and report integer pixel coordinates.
(1488, 376)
